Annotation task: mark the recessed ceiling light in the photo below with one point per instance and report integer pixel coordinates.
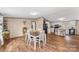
(33, 13)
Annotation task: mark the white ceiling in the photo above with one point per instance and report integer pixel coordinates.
(25, 11)
(71, 13)
(51, 13)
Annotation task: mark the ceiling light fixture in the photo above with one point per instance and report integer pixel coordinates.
(33, 13)
(61, 19)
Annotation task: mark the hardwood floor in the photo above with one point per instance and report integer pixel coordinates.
(54, 44)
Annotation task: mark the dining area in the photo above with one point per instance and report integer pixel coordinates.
(35, 38)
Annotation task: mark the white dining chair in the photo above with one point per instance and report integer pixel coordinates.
(39, 38)
(35, 39)
(28, 37)
(43, 37)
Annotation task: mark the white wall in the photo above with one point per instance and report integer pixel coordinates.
(49, 29)
(1, 30)
(77, 23)
(39, 24)
(69, 13)
(1, 19)
(28, 24)
(15, 26)
(1, 26)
